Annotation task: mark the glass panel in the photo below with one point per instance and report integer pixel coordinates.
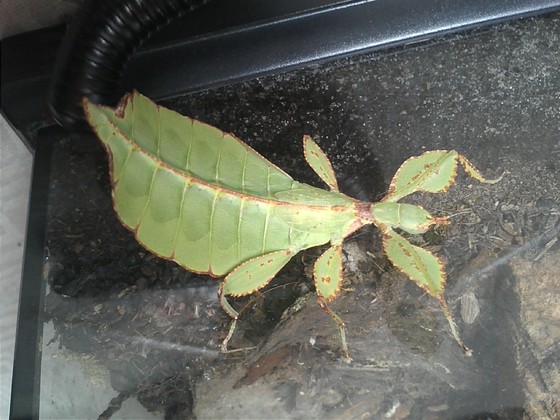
(131, 335)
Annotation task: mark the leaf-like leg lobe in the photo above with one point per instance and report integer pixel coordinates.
(255, 273)
(432, 171)
(247, 278)
(319, 162)
(327, 274)
(421, 266)
(425, 269)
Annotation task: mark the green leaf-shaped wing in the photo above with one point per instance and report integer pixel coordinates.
(202, 198)
(189, 192)
(183, 144)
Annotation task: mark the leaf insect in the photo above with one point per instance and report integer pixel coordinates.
(204, 199)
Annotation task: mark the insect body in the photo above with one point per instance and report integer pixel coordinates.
(204, 199)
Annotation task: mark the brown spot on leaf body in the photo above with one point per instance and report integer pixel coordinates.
(404, 250)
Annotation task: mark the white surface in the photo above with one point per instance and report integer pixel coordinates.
(18, 16)
(67, 376)
(15, 177)
(63, 374)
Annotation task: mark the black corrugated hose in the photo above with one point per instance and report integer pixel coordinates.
(97, 47)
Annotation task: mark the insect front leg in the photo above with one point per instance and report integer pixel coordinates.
(319, 162)
(247, 278)
(475, 173)
(327, 274)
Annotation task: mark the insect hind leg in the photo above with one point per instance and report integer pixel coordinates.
(247, 278)
(327, 274)
(339, 323)
(232, 313)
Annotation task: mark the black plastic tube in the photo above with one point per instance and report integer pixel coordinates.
(97, 47)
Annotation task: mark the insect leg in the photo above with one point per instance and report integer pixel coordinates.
(424, 269)
(319, 162)
(232, 313)
(475, 173)
(247, 278)
(453, 327)
(327, 273)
